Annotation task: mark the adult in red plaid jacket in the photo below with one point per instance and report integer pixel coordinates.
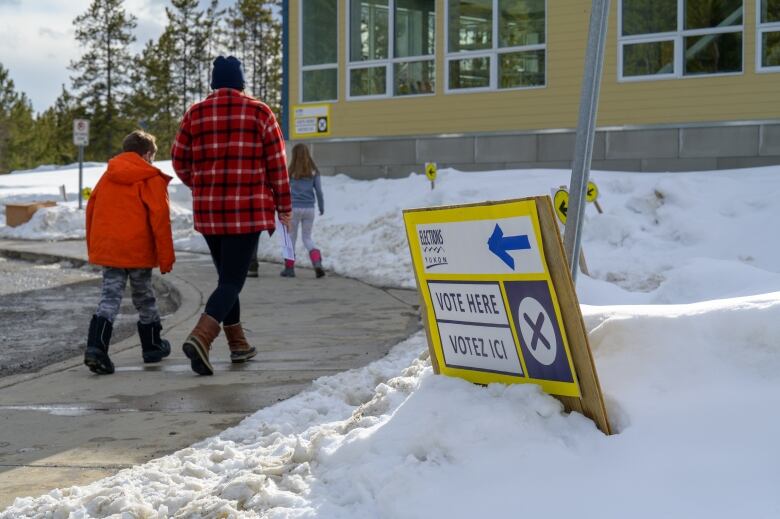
(230, 151)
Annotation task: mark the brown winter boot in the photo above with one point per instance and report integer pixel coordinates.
(198, 344)
(240, 350)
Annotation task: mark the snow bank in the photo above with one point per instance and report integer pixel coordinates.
(657, 229)
(690, 388)
(53, 223)
(45, 168)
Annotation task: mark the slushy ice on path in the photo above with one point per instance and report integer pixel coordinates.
(45, 311)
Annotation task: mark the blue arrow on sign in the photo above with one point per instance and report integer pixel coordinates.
(499, 245)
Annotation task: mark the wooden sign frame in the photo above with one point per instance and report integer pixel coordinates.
(590, 402)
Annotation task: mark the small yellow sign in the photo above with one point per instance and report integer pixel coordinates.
(310, 121)
(561, 204)
(86, 193)
(592, 194)
(430, 171)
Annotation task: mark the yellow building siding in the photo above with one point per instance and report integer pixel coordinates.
(747, 96)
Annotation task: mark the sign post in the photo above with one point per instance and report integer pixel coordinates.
(586, 130)
(498, 300)
(81, 139)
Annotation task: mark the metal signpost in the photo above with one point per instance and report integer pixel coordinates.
(586, 131)
(81, 139)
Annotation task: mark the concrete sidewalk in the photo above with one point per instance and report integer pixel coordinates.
(64, 426)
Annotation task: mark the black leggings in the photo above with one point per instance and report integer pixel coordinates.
(231, 254)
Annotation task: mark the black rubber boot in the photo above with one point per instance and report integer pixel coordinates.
(96, 356)
(253, 269)
(154, 349)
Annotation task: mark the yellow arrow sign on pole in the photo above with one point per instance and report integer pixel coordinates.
(561, 204)
(592, 193)
(430, 171)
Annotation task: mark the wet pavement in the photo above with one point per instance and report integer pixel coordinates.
(45, 310)
(64, 426)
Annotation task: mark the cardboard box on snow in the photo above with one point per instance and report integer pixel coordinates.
(17, 214)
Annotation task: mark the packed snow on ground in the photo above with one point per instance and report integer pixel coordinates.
(683, 312)
(666, 227)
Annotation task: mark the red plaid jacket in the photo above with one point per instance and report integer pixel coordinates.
(230, 151)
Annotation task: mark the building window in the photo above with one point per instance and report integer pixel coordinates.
(319, 58)
(496, 44)
(679, 38)
(391, 48)
(768, 47)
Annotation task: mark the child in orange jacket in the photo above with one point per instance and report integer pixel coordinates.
(129, 233)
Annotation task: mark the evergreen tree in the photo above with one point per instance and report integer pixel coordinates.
(17, 136)
(8, 93)
(211, 35)
(152, 90)
(54, 131)
(45, 144)
(8, 97)
(185, 22)
(103, 72)
(21, 142)
(255, 38)
(154, 105)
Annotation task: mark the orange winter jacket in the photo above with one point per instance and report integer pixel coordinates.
(128, 216)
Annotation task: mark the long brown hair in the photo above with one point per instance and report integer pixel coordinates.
(301, 164)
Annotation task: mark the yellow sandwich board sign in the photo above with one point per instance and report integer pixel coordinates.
(499, 302)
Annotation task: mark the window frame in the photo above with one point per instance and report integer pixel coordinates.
(388, 63)
(761, 28)
(678, 38)
(309, 68)
(493, 54)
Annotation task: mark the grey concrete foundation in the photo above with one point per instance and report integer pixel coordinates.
(694, 147)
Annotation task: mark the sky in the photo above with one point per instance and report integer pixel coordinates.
(38, 43)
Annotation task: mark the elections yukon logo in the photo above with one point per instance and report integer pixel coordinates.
(433, 248)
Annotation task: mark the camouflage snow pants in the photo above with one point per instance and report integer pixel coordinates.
(114, 281)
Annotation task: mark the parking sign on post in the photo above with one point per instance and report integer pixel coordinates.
(81, 139)
(81, 132)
